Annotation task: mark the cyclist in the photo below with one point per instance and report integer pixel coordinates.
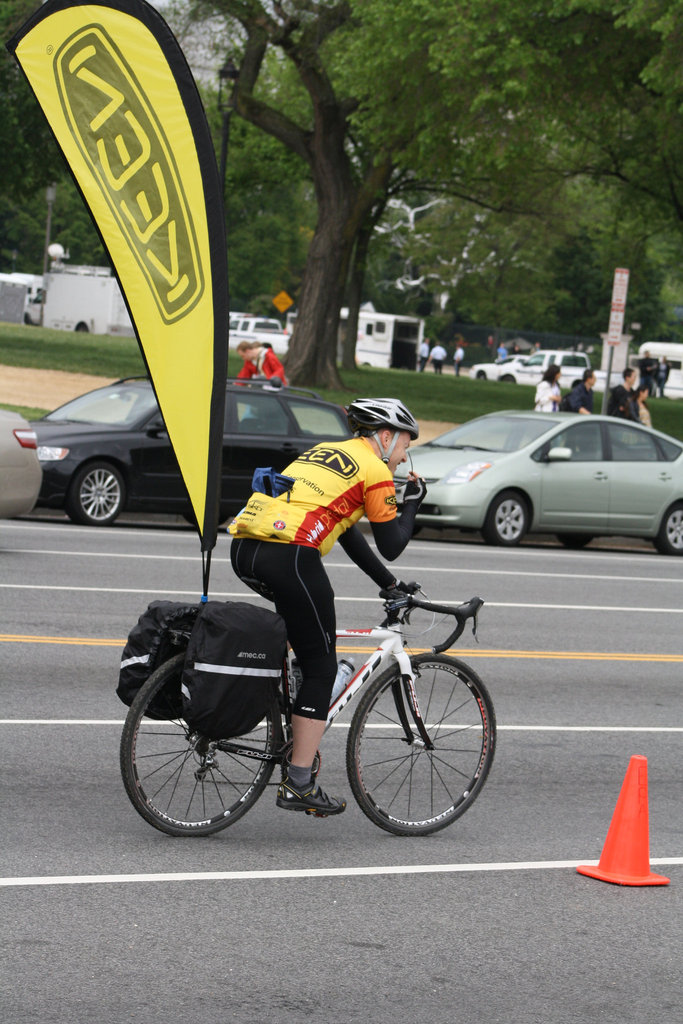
(278, 546)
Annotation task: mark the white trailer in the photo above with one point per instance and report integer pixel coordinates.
(86, 299)
(385, 340)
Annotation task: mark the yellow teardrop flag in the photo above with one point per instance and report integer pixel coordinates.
(124, 108)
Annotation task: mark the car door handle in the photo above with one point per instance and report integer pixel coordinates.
(600, 476)
(665, 476)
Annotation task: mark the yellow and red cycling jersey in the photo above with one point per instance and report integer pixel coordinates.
(335, 483)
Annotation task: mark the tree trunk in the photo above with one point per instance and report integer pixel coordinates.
(312, 356)
(355, 293)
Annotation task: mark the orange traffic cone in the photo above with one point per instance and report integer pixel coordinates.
(625, 858)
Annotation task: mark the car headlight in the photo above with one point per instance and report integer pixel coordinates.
(48, 454)
(463, 474)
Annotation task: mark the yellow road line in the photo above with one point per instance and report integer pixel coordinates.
(469, 652)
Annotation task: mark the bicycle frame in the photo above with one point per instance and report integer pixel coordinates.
(390, 647)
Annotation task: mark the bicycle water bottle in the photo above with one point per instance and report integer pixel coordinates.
(345, 669)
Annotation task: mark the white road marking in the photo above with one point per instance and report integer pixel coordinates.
(308, 873)
(551, 573)
(545, 605)
(345, 725)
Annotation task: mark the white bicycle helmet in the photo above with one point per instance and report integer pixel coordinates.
(367, 416)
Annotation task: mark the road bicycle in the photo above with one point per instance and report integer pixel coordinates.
(420, 744)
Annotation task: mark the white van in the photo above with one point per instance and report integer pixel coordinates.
(674, 356)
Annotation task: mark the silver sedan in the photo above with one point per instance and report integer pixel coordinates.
(20, 472)
(576, 476)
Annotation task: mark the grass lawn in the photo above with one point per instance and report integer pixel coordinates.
(444, 398)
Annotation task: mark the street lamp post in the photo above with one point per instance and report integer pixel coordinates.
(228, 73)
(50, 196)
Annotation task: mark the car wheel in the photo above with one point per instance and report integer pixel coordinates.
(575, 540)
(96, 495)
(669, 540)
(508, 378)
(82, 328)
(507, 519)
(481, 375)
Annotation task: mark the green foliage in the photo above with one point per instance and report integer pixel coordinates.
(29, 159)
(553, 131)
(23, 224)
(270, 218)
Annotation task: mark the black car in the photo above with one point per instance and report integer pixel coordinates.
(108, 450)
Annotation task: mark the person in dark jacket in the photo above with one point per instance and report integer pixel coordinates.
(647, 367)
(581, 397)
(663, 370)
(620, 403)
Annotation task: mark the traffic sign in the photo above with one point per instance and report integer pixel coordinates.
(282, 301)
(619, 293)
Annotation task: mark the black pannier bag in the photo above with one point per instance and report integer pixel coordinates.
(149, 645)
(232, 668)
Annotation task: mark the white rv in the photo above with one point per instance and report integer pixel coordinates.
(87, 299)
(386, 340)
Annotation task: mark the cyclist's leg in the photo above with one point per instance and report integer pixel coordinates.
(304, 598)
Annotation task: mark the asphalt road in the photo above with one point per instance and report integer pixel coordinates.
(279, 919)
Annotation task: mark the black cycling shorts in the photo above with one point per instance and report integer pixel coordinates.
(294, 578)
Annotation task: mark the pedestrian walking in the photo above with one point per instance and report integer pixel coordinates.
(580, 399)
(423, 355)
(663, 370)
(437, 356)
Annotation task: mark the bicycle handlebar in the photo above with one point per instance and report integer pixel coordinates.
(462, 612)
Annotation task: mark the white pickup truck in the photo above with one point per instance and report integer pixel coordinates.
(572, 366)
(258, 329)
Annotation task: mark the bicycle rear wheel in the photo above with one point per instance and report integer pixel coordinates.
(398, 783)
(180, 782)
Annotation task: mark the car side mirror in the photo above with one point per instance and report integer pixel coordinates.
(559, 455)
(156, 427)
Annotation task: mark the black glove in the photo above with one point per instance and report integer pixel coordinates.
(404, 588)
(415, 490)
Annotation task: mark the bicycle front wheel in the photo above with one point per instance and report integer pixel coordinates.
(180, 782)
(401, 785)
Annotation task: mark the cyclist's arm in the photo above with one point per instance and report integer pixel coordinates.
(392, 536)
(359, 551)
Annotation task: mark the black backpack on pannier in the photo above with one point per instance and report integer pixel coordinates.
(149, 645)
(232, 668)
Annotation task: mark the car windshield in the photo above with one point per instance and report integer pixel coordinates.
(115, 406)
(494, 433)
